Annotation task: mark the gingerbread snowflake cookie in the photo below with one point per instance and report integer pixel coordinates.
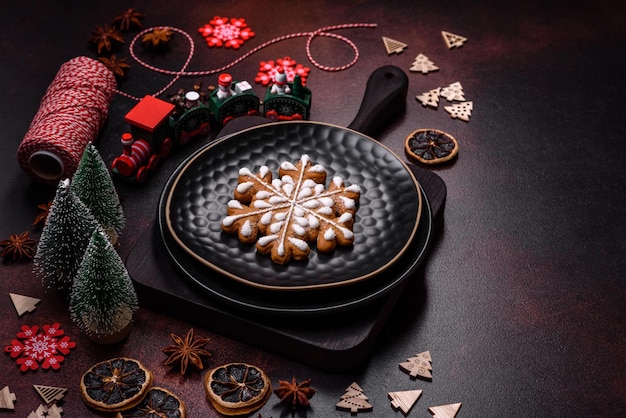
(284, 214)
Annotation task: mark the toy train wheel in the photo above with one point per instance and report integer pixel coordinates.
(185, 137)
(142, 174)
(205, 128)
(153, 162)
(253, 112)
(227, 119)
(272, 115)
(166, 148)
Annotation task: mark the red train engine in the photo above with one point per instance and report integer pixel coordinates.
(155, 127)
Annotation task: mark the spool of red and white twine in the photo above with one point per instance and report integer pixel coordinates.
(70, 115)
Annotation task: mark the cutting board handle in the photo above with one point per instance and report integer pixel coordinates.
(384, 98)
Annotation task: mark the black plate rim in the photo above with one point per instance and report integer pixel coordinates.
(170, 187)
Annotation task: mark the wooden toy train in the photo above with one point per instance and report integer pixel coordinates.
(157, 126)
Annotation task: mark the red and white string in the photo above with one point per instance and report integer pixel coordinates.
(325, 31)
(70, 115)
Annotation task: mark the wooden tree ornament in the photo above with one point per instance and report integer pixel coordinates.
(430, 98)
(52, 411)
(50, 394)
(7, 399)
(404, 400)
(423, 65)
(23, 303)
(393, 46)
(453, 92)
(444, 411)
(419, 366)
(354, 400)
(461, 111)
(452, 40)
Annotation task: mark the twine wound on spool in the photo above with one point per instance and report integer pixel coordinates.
(71, 113)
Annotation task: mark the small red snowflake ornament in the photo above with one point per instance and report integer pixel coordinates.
(269, 69)
(34, 347)
(222, 31)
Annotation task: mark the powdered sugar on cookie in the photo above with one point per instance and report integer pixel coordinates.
(283, 215)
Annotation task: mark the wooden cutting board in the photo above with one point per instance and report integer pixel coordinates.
(339, 343)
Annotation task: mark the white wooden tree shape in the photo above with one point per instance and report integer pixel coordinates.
(453, 92)
(354, 400)
(404, 400)
(444, 411)
(423, 65)
(461, 111)
(391, 45)
(452, 40)
(50, 394)
(430, 98)
(52, 411)
(23, 303)
(7, 399)
(419, 366)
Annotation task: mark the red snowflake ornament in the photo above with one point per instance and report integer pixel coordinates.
(33, 347)
(222, 31)
(268, 69)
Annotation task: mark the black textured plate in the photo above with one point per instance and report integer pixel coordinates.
(194, 200)
(314, 301)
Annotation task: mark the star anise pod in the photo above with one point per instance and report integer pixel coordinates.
(105, 38)
(19, 246)
(44, 209)
(128, 20)
(186, 351)
(118, 67)
(296, 394)
(157, 38)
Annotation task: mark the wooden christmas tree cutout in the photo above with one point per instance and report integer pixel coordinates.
(430, 98)
(50, 394)
(452, 40)
(23, 303)
(354, 400)
(52, 411)
(454, 92)
(391, 45)
(404, 400)
(423, 64)
(444, 411)
(7, 399)
(461, 111)
(419, 366)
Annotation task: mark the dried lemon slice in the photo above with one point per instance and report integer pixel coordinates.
(431, 146)
(237, 388)
(158, 402)
(116, 384)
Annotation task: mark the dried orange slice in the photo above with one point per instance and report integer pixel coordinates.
(116, 384)
(237, 388)
(158, 402)
(431, 146)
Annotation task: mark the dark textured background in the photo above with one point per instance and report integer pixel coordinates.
(521, 302)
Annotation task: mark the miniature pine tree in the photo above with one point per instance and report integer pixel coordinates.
(93, 185)
(103, 298)
(63, 239)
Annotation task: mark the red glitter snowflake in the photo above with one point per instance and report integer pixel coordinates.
(34, 347)
(222, 31)
(268, 69)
